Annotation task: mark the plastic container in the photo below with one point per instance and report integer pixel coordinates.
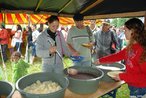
(42, 76)
(86, 86)
(76, 58)
(106, 78)
(6, 88)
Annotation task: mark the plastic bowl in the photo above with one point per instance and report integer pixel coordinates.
(115, 66)
(76, 58)
(42, 76)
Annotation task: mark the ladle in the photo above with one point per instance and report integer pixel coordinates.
(70, 71)
(73, 71)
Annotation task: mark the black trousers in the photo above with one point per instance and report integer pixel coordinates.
(4, 51)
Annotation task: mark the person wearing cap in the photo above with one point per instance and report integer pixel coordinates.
(77, 36)
(4, 41)
(51, 46)
(104, 39)
(93, 26)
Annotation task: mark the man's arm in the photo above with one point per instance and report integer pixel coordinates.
(74, 52)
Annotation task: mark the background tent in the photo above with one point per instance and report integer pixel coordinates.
(89, 8)
(9, 18)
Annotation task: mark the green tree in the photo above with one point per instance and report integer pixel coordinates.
(118, 22)
(114, 22)
(121, 21)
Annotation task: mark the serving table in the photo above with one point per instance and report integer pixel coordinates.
(103, 88)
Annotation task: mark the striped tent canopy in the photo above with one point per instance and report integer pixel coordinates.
(21, 18)
(9, 18)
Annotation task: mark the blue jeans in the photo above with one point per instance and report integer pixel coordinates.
(31, 44)
(138, 92)
(4, 52)
(18, 47)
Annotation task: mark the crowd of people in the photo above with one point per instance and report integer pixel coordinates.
(107, 46)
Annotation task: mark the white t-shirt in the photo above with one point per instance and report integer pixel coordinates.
(20, 38)
(76, 37)
(35, 35)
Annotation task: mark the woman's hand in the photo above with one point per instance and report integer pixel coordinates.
(52, 49)
(97, 62)
(117, 78)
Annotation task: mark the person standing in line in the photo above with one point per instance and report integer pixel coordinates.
(51, 46)
(104, 39)
(94, 29)
(35, 34)
(41, 28)
(121, 38)
(18, 38)
(4, 42)
(135, 58)
(77, 36)
(93, 26)
(29, 43)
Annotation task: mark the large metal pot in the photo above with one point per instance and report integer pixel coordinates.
(85, 86)
(42, 76)
(6, 89)
(110, 67)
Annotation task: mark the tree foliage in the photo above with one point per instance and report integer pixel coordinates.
(118, 22)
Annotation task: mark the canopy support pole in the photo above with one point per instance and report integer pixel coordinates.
(91, 6)
(3, 18)
(29, 22)
(65, 6)
(38, 5)
(145, 21)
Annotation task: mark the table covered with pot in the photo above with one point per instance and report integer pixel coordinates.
(93, 81)
(88, 81)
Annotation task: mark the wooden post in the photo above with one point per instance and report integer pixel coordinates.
(3, 18)
(28, 18)
(145, 20)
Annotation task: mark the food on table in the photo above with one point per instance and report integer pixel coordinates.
(113, 73)
(42, 87)
(87, 45)
(72, 71)
(83, 76)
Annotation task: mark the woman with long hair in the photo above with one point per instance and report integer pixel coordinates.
(18, 38)
(135, 58)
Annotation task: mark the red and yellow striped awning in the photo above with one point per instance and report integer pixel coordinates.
(9, 18)
(22, 18)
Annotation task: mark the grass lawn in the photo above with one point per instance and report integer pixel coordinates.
(122, 92)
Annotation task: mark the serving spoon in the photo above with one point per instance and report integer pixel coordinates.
(70, 71)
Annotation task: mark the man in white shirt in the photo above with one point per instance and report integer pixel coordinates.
(35, 35)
